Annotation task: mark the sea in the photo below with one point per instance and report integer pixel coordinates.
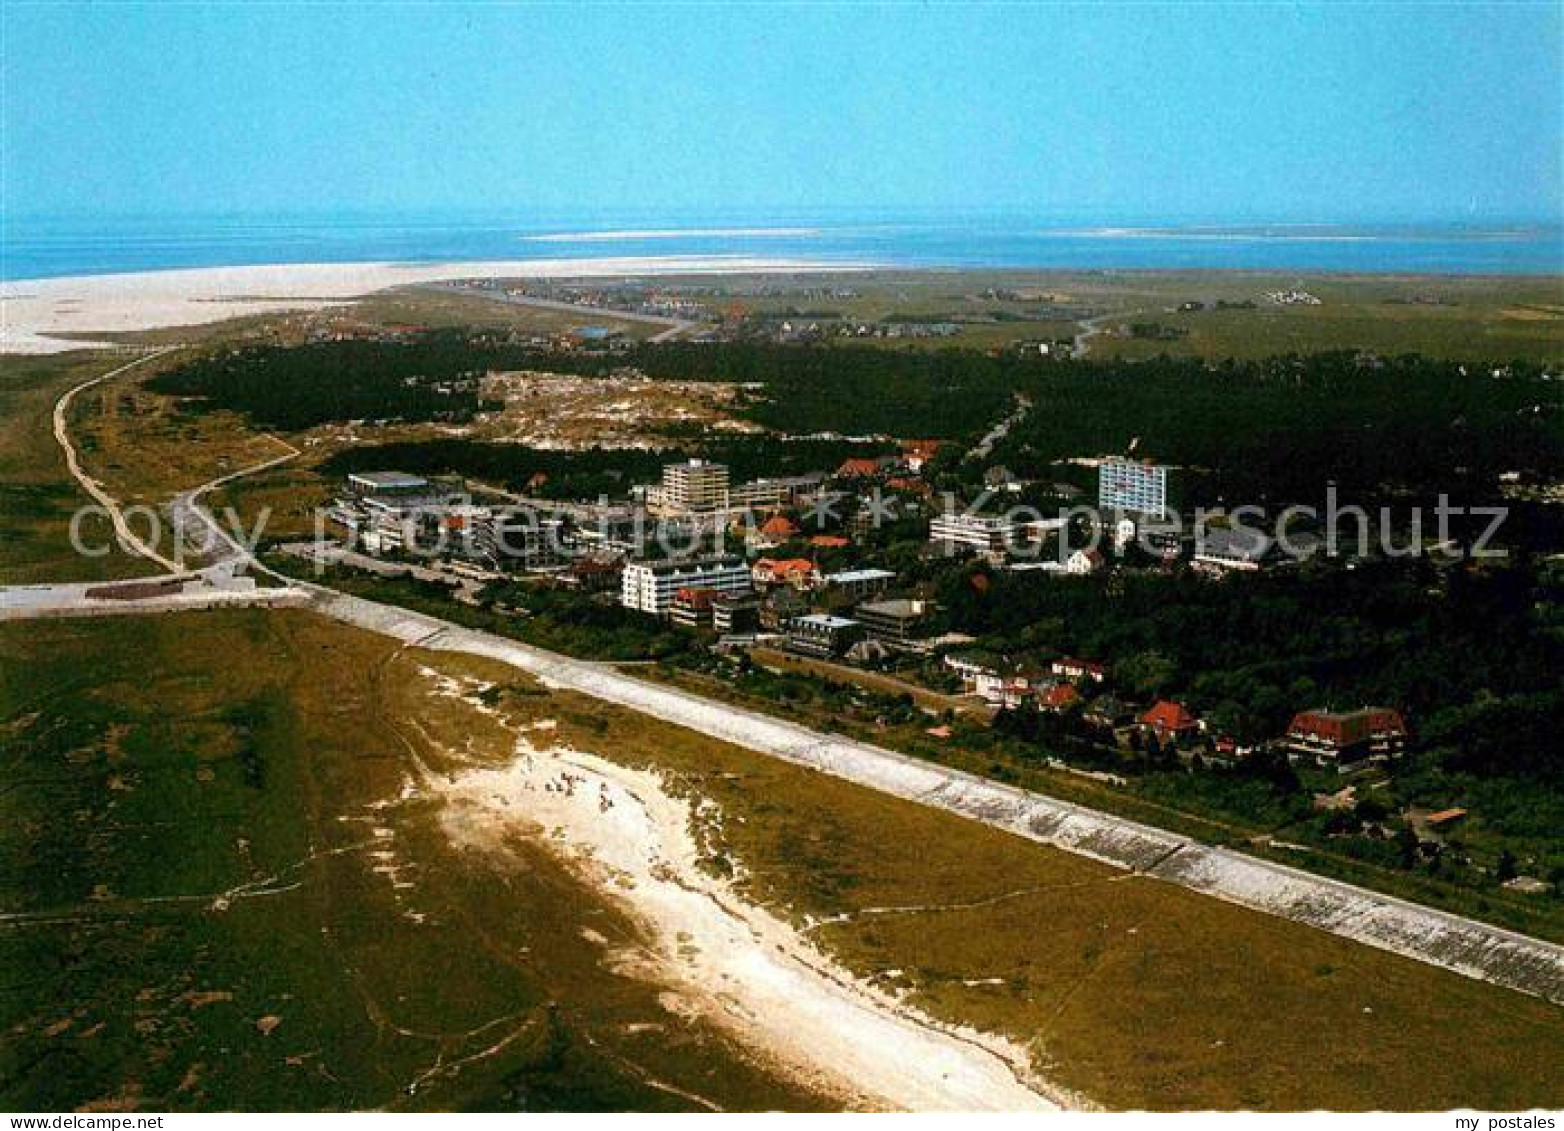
(45, 247)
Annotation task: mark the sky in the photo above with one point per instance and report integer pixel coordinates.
(1326, 111)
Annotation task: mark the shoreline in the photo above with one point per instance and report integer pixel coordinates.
(33, 312)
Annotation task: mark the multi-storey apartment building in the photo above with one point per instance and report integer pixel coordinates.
(1132, 487)
(1347, 739)
(693, 486)
(651, 586)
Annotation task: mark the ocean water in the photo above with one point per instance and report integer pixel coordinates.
(32, 248)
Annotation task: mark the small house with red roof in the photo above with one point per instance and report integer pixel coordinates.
(909, 486)
(917, 453)
(1170, 721)
(773, 532)
(1059, 698)
(800, 573)
(858, 469)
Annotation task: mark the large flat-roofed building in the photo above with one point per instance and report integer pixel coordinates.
(382, 513)
(1247, 550)
(651, 586)
(519, 537)
(898, 621)
(990, 533)
(856, 584)
(758, 493)
(820, 634)
(985, 533)
(695, 485)
(1133, 487)
(592, 575)
(735, 612)
(387, 485)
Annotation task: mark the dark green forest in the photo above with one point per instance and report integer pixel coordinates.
(1249, 651)
(1261, 432)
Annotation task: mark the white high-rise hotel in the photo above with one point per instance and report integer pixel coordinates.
(695, 486)
(1132, 487)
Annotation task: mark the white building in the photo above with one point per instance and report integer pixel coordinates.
(650, 586)
(989, 534)
(1133, 487)
(695, 485)
(1083, 562)
(982, 532)
(386, 484)
(860, 583)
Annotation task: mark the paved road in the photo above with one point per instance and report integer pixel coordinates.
(673, 326)
(217, 544)
(1090, 328)
(127, 538)
(999, 431)
(164, 593)
(217, 585)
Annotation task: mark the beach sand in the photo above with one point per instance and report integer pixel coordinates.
(33, 311)
(721, 957)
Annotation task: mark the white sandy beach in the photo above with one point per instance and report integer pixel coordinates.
(723, 958)
(33, 312)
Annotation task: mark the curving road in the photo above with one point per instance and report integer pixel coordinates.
(127, 538)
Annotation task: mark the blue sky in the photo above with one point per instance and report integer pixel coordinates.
(1317, 111)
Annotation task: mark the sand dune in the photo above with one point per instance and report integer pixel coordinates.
(723, 958)
(34, 312)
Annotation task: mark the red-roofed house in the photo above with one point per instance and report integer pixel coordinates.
(909, 486)
(1346, 739)
(797, 572)
(917, 453)
(773, 532)
(858, 469)
(830, 541)
(1169, 721)
(1059, 697)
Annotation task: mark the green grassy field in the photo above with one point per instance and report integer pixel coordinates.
(193, 917)
(37, 494)
(210, 900)
(1476, 320)
(1469, 318)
